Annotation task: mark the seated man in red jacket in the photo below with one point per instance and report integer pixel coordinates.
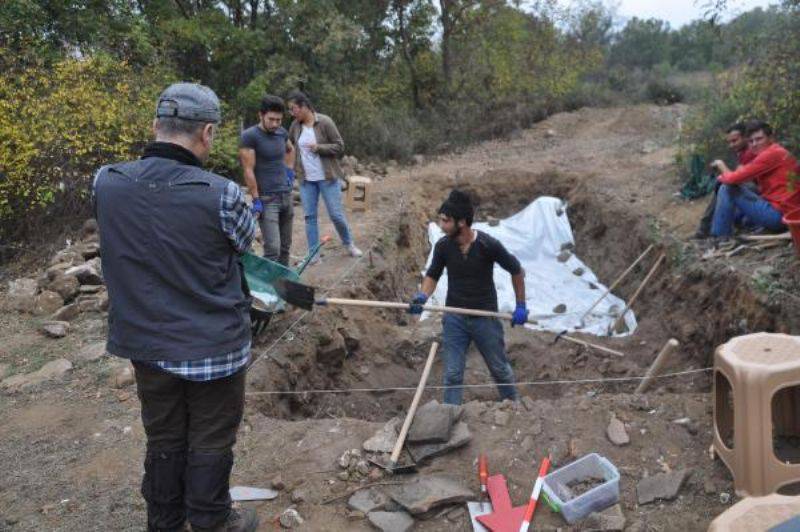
(770, 171)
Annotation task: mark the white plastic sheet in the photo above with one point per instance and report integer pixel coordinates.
(535, 236)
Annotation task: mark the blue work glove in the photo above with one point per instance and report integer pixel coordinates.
(520, 316)
(257, 207)
(419, 299)
(289, 177)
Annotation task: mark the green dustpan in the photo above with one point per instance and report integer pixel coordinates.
(261, 273)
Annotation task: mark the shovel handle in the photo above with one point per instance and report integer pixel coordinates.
(404, 306)
(401, 438)
(453, 310)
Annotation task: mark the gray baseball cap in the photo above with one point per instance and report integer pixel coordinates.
(189, 101)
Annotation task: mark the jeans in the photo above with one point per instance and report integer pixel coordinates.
(487, 333)
(331, 192)
(276, 226)
(704, 230)
(734, 202)
(191, 429)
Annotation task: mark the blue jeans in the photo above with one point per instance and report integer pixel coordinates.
(487, 333)
(332, 196)
(735, 202)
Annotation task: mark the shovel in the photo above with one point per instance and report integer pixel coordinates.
(411, 465)
(302, 296)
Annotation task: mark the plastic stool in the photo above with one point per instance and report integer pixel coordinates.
(757, 410)
(756, 514)
(359, 191)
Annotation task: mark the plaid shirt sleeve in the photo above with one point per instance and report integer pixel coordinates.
(236, 220)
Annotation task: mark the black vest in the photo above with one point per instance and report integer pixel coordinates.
(174, 281)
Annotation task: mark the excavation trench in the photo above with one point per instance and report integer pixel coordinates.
(337, 348)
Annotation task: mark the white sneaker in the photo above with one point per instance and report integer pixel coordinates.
(354, 251)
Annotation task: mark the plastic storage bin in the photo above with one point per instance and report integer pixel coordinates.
(596, 499)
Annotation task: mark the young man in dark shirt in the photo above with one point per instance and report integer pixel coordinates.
(469, 257)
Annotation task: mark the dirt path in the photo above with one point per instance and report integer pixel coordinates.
(71, 451)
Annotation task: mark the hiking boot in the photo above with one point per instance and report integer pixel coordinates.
(354, 251)
(241, 520)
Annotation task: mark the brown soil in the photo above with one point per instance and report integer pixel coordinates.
(71, 452)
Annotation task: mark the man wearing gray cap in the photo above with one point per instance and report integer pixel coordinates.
(171, 235)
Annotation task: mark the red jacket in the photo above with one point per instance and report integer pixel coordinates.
(745, 156)
(770, 170)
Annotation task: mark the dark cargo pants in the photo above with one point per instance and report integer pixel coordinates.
(191, 429)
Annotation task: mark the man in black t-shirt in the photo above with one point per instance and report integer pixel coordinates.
(469, 257)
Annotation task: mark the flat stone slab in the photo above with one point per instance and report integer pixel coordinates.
(433, 422)
(429, 492)
(248, 493)
(367, 500)
(458, 438)
(383, 441)
(391, 521)
(664, 486)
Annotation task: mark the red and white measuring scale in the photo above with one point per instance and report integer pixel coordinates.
(537, 488)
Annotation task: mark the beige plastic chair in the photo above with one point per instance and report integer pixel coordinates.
(757, 412)
(756, 514)
(358, 193)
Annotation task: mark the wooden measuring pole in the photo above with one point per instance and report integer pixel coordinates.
(657, 365)
(617, 281)
(638, 291)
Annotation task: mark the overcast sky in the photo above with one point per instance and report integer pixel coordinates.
(679, 12)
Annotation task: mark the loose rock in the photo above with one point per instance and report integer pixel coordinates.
(561, 308)
(21, 294)
(65, 286)
(298, 496)
(55, 329)
(616, 432)
(122, 377)
(67, 312)
(383, 441)
(664, 486)
(46, 303)
(53, 370)
(85, 273)
(501, 418)
(290, 518)
(433, 422)
(391, 521)
(91, 352)
(563, 256)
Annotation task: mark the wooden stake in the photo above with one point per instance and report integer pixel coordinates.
(618, 280)
(638, 291)
(657, 365)
(401, 438)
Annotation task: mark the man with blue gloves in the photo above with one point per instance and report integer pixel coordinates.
(469, 257)
(266, 155)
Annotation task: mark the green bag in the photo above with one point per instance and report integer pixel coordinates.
(700, 182)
